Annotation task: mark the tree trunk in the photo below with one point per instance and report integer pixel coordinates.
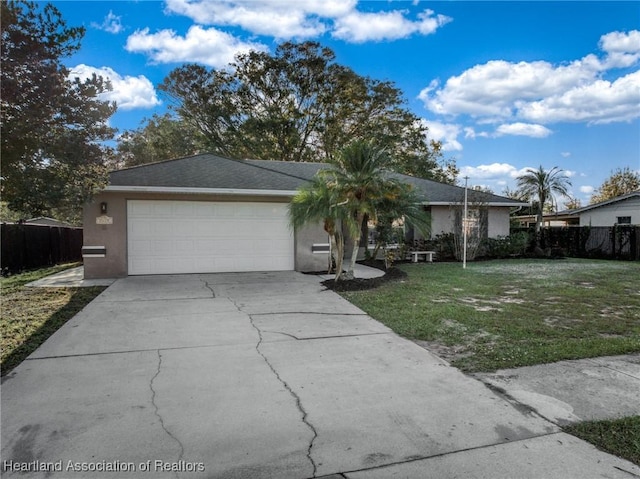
(339, 241)
(356, 246)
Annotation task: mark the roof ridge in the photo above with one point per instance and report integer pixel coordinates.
(161, 161)
(245, 162)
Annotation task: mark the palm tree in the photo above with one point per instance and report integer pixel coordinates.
(320, 201)
(356, 187)
(542, 185)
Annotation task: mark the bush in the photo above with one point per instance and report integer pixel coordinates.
(505, 246)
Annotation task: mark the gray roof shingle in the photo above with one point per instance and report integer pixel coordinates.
(211, 171)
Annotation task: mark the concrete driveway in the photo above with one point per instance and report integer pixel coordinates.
(262, 375)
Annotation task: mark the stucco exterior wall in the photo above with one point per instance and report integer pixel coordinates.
(442, 221)
(306, 259)
(499, 223)
(607, 215)
(114, 236)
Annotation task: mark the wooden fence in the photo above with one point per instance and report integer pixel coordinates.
(33, 246)
(607, 242)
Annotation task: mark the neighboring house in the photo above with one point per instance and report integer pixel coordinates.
(564, 218)
(621, 210)
(206, 213)
(44, 221)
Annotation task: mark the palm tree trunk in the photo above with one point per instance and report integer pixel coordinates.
(356, 247)
(339, 241)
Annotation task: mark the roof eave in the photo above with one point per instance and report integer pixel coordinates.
(489, 203)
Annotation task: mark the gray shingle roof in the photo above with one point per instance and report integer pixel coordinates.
(211, 171)
(205, 171)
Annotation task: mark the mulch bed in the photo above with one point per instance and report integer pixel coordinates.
(393, 274)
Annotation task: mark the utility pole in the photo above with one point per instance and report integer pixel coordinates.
(464, 226)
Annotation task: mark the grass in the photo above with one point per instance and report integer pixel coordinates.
(505, 314)
(30, 315)
(620, 437)
(512, 313)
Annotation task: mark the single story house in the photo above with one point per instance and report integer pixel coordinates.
(206, 213)
(621, 210)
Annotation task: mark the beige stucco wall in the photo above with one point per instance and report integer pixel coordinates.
(499, 223)
(607, 215)
(114, 236)
(306, 259)
(442, 221)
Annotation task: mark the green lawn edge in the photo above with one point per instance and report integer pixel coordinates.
(618, 436)
(48, 310)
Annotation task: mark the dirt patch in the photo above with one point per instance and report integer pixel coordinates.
(448, 353)
(484, 309)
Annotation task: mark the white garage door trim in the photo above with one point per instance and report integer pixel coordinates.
(174, 237)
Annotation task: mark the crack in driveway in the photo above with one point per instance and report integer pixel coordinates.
(293, 394)
(157, 412)
(208, 286)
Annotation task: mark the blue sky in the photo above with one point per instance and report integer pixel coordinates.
(504, 85)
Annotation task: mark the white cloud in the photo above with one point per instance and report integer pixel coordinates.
(445, 133)
(128, 92)
(208, 46)
(470, 132)
(523, 129)
(565, 154)
(492, 171)
(542, 92)
(623, 49)
(112, 23)
(600, 102)
(359, 27)
(587, 189)
(279, 18)
(284, 19)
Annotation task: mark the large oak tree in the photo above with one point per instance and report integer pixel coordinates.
(53, 126)
(298, 104)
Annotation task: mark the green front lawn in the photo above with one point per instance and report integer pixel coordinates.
(620, 436)
(30, 315)
(512, 313)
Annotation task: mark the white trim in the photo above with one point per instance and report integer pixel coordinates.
(206, 191)
(253, 192)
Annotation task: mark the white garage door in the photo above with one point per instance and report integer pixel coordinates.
(167, 237)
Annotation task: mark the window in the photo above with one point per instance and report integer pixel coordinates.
(624, 220)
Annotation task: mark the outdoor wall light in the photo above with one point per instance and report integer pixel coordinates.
(103, 208)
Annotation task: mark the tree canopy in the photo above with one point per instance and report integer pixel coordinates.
(162, 138)
(53, 126)
(298, 104)
(621, 182)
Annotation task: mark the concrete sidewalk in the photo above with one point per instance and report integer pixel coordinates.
(572, 391)
(69, 278)
(263, 375)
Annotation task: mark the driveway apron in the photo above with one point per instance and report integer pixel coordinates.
(262, 375)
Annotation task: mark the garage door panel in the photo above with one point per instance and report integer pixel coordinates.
(199, 237)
